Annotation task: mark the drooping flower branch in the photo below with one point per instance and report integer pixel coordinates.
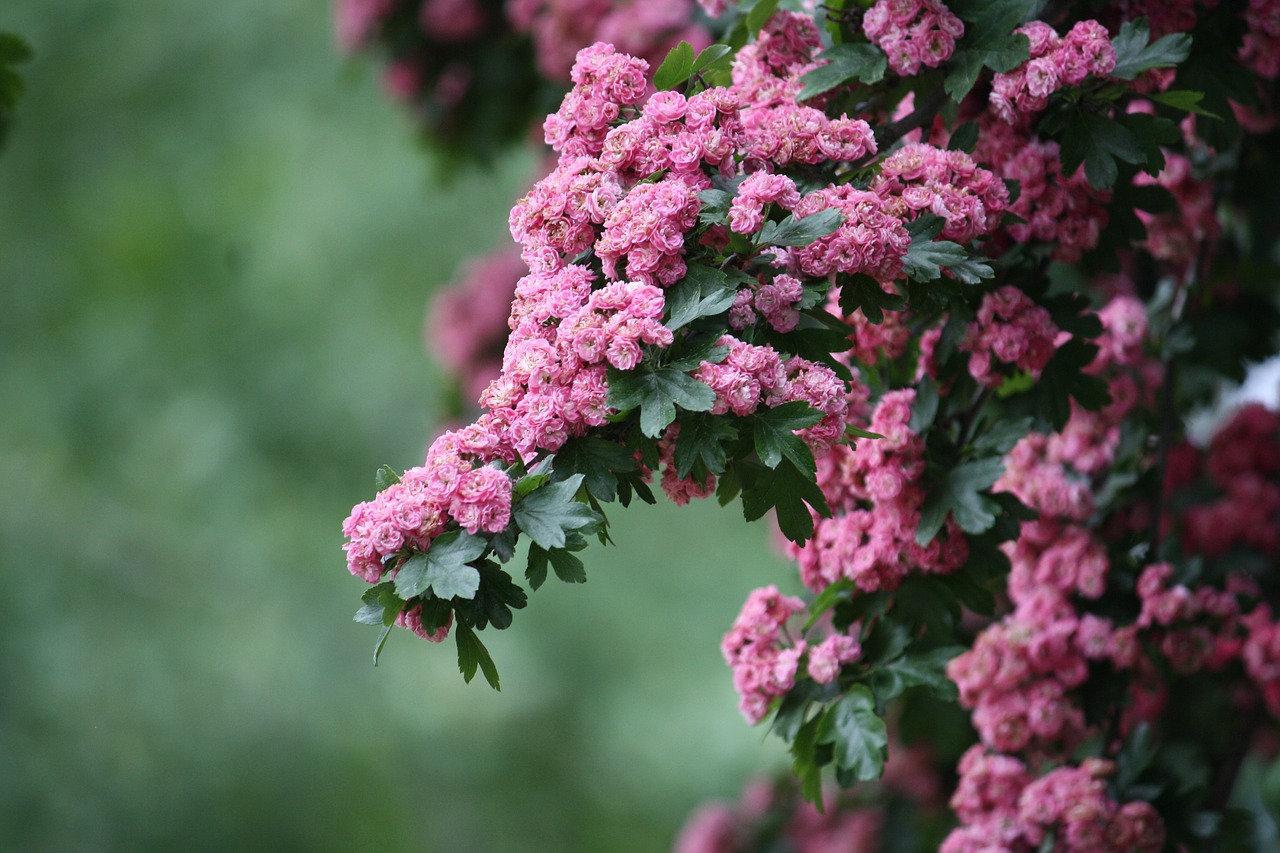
(910, 278)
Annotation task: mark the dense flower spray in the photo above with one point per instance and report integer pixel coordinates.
(935, 284)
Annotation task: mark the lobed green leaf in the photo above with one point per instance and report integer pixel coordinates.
(676, 68)
(442, 567)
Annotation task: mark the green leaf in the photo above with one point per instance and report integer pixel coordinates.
(775, 433)
(1098, 142)
(964, 138)
(804, 761)
(703, 292)
(1001, 436)
(529, 483)
(442, 567)
(1152, 132)
(959, 493)
(493, 602)
(988, 41)
(863, 292)
(702, 441)
(852, 431)
(800, 232)
(713, 57)
(472, 653)
(382, 641)
(861, 62)
(1183, 99)
(385, 478)
(789, 717)
(925, 261)
(1135, 756)
(381, 605)
(860, 736)
(926, 406)
(568, 567)
(657, 392)
(924, 601)
(789, 491)
(547, 514)
(840, 591)
(599, 461)
(676, 68)
(1134, 55)
(715, 207)
(928, 669)
(759, 15)
(535, 571)
(688, 354)
(1063, 379)
(968, 591)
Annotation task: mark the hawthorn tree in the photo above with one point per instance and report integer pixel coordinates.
(936, 287)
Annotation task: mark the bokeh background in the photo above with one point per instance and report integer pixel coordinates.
(217, 239)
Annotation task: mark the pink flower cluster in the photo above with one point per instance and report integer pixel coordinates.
(913, 33)
(1243, 465)
(560, 28)
(764, 663)
(413, 512)
(647, 229)
(411, 618)
(752, 376)
(1002, 808)
(553, 381)
(871, 240)
(765, 660)
(872, 342)
(950, 184)
(355, 21)
(778, 130)
(1193, 629)
(466, 326)
(1020, 674)
(1261, 48)
(766, 810)
(749, 376)
(875, 499)
(1178, 236)
(1056, 62)
(556, 220)
(1050, 473)
(746, 212)
(1064, 557)
(604, 82)
(1261, 655)
(1061, 210)
(675, 132)
(1011, 329)
(774, 301)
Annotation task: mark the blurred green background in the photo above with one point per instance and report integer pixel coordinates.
(216, 241)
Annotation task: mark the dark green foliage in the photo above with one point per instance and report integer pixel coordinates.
(656, 391)
(703, 292)
(959, 493)
(989, 41)
(547, 515)
(800, 232)
(443, 567)
(859, 62)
